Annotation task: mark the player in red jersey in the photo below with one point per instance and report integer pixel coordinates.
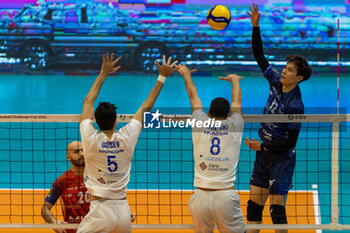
(75, 199)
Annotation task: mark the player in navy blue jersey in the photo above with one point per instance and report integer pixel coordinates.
(275, 156)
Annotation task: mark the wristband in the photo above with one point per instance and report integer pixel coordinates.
(161, 78)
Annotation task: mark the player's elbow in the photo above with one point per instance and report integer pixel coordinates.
(88, 100)
(44, 210)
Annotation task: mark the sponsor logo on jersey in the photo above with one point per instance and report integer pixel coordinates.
(217, 159)
(217, 168)
(101, 180)
(203, 166)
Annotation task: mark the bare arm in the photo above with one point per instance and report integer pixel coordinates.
(108, 67)
(236, 105)
(49, 218)
(190, 87)
(164, 71)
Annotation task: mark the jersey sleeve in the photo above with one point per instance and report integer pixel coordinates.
(199, 115)
(55, 192)
(87, 130)
(272, 75)
(131, 132)
(238, 124)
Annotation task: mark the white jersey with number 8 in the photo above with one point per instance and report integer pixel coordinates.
(216, 151)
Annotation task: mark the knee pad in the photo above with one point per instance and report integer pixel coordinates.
(254, 211)
(278, 214)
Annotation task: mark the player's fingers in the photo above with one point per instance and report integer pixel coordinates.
(116, 69)
(107, 57)
(257, 7)
(112, 57)
(249, 14)
(164, 62)
(116, 61)
(251, 9)
(174, 69)
(157, 64)
(174, 63)
(104, 58)
(193, 71)
(169, 60)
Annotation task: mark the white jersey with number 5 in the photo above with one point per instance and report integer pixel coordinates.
(216, 151)
(108, 161)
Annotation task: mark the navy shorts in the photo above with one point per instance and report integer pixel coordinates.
(274, 171)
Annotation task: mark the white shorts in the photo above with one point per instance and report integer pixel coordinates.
(107, 216)
(220, 207)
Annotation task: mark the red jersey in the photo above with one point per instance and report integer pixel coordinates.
(74, 195)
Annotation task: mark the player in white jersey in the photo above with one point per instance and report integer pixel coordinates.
(216, 154)
(108, 153)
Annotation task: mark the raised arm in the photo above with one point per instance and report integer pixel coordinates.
(190, 87)
(164, 71)
(108, 67)
(236, 105)
(257, 45)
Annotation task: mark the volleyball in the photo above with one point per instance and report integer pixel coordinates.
(218, 17)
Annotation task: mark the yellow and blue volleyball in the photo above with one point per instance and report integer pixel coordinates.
(218, 17)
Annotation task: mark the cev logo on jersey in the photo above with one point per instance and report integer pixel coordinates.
(152, 121)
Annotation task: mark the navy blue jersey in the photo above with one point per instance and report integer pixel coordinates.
(280, 103)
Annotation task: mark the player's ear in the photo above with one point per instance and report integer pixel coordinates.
(115, 124)
(68, 157)
(209, 114)
(299, 78)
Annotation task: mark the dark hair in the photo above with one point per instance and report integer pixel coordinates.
(219, 107)
(301, 64)
(105, 115)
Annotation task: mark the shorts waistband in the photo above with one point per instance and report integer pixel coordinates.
(101, 199)
(206, 189)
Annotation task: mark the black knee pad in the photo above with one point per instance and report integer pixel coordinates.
(278, 214)
(254, 211)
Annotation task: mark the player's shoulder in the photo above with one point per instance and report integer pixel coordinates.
(62, 179)
(271, 71)
(296, 105)
(199, 113)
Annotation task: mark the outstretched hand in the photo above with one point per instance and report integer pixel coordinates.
(167, 68)
(231, 77)
(183, 70)
(254, 15)
(108, 65)
(253, 144)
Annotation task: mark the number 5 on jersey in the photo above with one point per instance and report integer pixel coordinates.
(215, 146)
(112, 165)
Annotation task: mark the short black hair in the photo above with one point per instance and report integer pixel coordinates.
(219, 107)
(303, 68)
(105, 115)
